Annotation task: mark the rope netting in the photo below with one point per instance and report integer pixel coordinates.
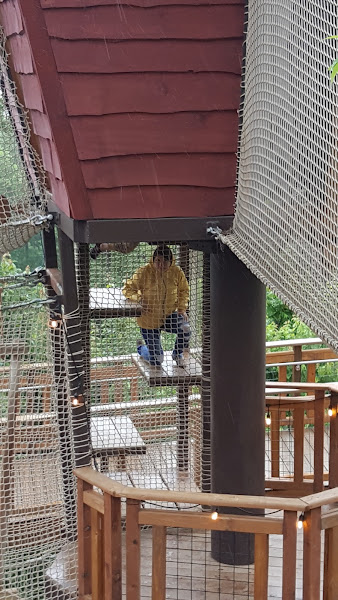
(37, 507)
(285, 227)
(22, 186)
(145, 363)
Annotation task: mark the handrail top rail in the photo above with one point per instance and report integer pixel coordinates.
(119, 490)
(297, 342)
(331, 386)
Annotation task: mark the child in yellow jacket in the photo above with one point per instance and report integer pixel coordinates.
(163, 292)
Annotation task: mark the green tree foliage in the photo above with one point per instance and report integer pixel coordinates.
(30, 255)
(334, 67)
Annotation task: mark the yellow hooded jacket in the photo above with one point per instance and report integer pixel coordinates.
(160, 293)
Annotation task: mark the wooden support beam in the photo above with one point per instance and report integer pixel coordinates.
(289, 555)
(112, 548)
(261, 566)
(297, 357)
(55, 279)
(333, 458)
(133, 556)
(330, 591)
(311, 555)
(203, 521)
(97, 555)
(93, 500)
(84, 541)
(319, 442)
(275, 443)
(298, 425)
(159, 563)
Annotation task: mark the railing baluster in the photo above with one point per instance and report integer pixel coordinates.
(289, 555)
(275, 443)
(112, 548)
(133, 550)
(261, 566)
(311, 555)
(84, 541)
(319, 441)
(159, 563)
(298, 428)
(333, 460)
(297, 357)
(330, 564)
(97, 555)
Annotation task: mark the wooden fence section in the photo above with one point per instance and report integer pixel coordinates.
(100, 539)
(318, 410)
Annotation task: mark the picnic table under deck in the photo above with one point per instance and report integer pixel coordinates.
(115, 436)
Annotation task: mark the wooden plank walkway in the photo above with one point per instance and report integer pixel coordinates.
(115, 436)
(110, 302)
(169, 374)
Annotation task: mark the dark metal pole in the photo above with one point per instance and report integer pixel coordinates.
(80, 421)
(62, 402)
(183, 427)
(237, 394)
(183, 390)
(84, 308)
(205, 387)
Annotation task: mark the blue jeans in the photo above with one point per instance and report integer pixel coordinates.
(152, 352)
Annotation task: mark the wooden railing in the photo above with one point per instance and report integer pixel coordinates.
(285, 411)
(313, 409)
(101, 542)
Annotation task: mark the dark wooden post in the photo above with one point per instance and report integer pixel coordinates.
(75, 351)
(62, 401)
(237, 394)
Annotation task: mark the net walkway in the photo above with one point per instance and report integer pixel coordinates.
(286, 221)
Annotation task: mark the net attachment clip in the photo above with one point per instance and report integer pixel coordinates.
(215, 232)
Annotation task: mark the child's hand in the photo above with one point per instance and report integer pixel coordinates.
(184, 315)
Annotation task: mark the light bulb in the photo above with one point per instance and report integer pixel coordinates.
(330, 411)
(53, 324)
(300, 522)
(214, 515)
(268, 419)
(77, 401)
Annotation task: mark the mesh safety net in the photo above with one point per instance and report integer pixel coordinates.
(23, 197)
(285, 227)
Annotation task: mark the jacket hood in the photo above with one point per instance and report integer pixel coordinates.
(173, 262)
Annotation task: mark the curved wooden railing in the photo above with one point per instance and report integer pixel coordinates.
(101, 542)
